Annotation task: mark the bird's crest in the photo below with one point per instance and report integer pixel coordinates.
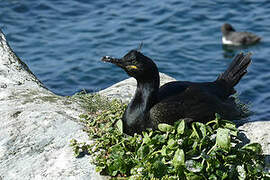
(140, 46)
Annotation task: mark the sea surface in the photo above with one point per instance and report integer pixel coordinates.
(63, 41)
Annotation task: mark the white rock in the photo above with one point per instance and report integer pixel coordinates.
(36, 127)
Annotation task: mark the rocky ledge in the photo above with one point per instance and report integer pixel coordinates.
(37, 125)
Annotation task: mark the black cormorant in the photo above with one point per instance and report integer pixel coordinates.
(231, 37)
(178, 99)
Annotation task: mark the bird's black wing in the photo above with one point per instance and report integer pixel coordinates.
(172, 88)
(175, 88)
(194, 101)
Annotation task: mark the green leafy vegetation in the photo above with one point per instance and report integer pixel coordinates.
(180, 151)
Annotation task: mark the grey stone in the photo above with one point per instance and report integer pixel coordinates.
(259, 132)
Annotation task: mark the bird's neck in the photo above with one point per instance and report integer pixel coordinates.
(227, 32)
(146, 94)
(136, 117)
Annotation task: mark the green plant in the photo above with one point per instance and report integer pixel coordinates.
(179, 151)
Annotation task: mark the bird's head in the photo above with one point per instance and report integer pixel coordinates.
(225, 28)
(136, 65)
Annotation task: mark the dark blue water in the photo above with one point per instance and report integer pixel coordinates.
(62, 41)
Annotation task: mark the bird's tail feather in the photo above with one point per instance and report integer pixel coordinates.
(236, 70)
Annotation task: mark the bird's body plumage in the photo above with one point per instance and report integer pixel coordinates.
(176, 100)
(231, 37)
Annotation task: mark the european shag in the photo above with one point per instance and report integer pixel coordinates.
(195, 101)
(231, 37)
